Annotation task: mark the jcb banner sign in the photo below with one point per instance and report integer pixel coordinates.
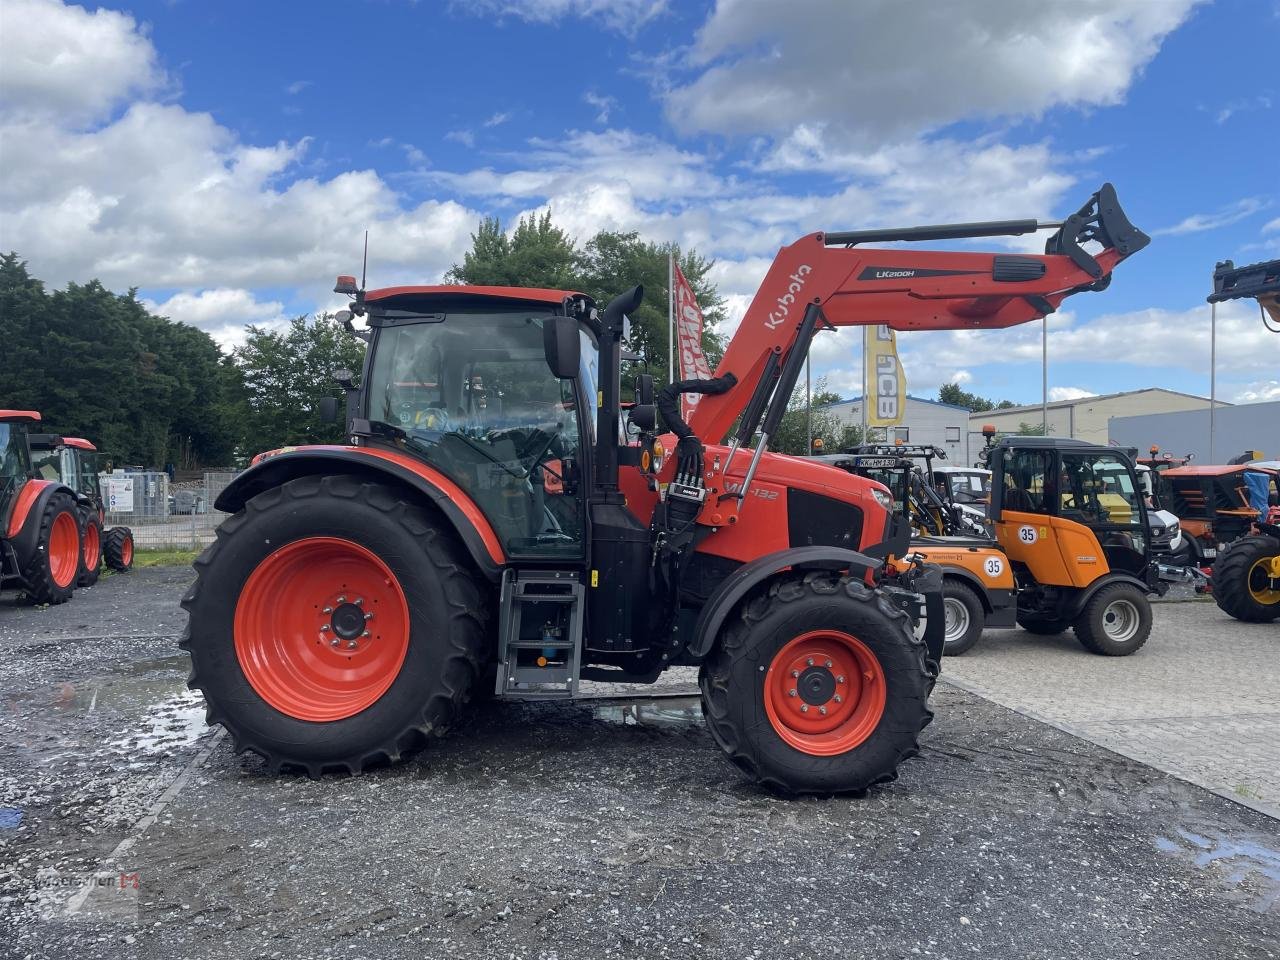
(887, 398)
(692, 362)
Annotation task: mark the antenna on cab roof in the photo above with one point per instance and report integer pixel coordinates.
(364, 267)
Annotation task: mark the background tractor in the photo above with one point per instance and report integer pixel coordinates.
(487, 514)
(1072, 518)
(40, 521)
(977, 580)
(77, 463)
(1246, 572)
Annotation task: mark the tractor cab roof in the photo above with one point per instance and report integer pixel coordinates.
(455, 292)
(19, 416)
(51, 441)
(1060, 443)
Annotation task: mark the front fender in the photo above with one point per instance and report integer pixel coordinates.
(1073, 609)
(23, 529)
(372, 463)
(746, 578)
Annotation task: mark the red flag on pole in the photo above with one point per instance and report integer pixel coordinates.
(692, 362)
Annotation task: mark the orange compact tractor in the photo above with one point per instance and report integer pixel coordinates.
(40, 525)
(485, 516)
(75, 462)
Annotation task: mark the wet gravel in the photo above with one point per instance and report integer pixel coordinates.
(586, 830)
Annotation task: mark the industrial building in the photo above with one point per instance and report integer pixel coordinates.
(1249, 426)
(1088, 418)
(944, 425)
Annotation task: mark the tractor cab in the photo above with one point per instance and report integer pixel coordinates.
(1073, 519)
(15, 457)
(70, 460)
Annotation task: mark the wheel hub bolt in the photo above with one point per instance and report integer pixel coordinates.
(365, 634)
(351, 644)
(368, 617)
(342, 599)
(840, 679)
(804, 708)
(324, 628)
(838, 699)
(791, 692)
(823, 711)
(334, 642)
(327, 610)
(809, 661)
(358, 601)
(795, 673)
(827, 664)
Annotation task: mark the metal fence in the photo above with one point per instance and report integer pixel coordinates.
(161, 513)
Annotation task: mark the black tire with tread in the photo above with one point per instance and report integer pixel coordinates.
(1044, 628)
(1089, 629)
(449, 633)
(113, 543)
(960, 591)
(1231, 578)
(89, 574)
(38, 572)
(732, 684)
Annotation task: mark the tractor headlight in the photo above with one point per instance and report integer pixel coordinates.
(882, 498)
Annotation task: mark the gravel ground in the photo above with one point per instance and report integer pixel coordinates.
(580, 830)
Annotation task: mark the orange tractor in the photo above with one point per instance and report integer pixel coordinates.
(41, 542)
(487, 516)
(76, 463)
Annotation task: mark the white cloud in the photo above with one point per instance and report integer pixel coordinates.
(67, 64)
(222, 312)
(1224, 217)
(626, 16)
(1272, 226)
(1247, 105)
(297, 87)
(465, 137)
(880, 68)
(1259, 391)
(604, 106)
(1070, 393)
(497, 119)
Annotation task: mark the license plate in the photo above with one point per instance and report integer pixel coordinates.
(1210, 552)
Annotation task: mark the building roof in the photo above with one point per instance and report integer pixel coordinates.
(1061, 404)
(936, 403)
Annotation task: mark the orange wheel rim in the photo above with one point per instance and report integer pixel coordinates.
(126, 551)
(64, 549)
(824, 692)
(92, 547)
(321, 629)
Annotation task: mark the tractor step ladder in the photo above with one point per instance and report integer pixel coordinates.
(540, 634)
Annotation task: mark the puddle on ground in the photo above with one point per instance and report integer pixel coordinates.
(1251, 869)
(175, 722)
(656, 712)
(126, 689)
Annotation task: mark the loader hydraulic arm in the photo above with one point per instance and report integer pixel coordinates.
(906, 290)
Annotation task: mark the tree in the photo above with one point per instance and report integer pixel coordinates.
(835, 432)
(285, 373)
(951, 393)
(537, 254)
(100, 365)
(1030, 429)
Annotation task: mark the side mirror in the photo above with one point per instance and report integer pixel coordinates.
(562, 346)
(343, 378)
(328, 409)
(644, 389)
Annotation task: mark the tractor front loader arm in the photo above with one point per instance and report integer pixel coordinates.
(912, 290)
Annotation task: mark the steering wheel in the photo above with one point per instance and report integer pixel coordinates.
(432, 418)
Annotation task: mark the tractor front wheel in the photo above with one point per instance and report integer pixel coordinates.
(91, 551)
(1115, 622)
(51, 571)
(1246, 579)
(819, 686)
(333, 624)
(117, 549)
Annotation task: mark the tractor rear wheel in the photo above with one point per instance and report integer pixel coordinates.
(333, 625)
(1246, 579)
(819, 686)
(50, 573)
(1115, 622)
(117, 549)
(1043, 627)
(91, 551)
(965, 615)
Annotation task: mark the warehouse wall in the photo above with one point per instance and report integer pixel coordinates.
(1249, 426)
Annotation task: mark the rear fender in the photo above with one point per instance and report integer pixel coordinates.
(735, 587)
(385, 466)
(23, 530)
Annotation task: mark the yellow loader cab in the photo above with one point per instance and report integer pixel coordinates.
(1071, 517)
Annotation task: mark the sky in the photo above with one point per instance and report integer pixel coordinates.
(225, 158)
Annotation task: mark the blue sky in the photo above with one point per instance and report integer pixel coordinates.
(226, 157)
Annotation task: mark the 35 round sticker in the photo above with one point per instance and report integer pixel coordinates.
(993, 567)
(1027, 534)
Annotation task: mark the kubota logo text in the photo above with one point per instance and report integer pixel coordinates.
(788, 299)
